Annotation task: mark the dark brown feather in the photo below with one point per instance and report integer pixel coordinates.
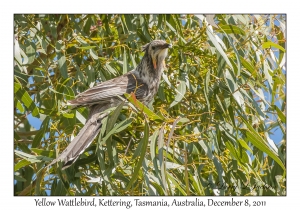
(109, 91)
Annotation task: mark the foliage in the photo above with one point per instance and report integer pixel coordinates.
(206, 133)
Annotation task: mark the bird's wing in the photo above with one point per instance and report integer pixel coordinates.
(109, 90)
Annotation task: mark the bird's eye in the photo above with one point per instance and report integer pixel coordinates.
(153, 48)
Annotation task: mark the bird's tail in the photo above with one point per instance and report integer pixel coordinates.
(84, 138)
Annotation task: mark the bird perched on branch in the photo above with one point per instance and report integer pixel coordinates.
(143, 81)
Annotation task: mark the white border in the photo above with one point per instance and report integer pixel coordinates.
(8, 8)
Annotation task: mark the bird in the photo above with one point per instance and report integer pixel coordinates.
(143, 81)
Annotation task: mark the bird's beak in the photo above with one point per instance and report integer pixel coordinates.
(167, 45)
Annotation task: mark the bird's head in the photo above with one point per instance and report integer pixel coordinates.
(158, 51)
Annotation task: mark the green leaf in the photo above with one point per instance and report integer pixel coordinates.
(179, 94)
(142, 107)
(87, 25)
(124, 24)
(110, 124)
(234, 88)
(153, 140)
(21, 164)
(244, 145)
(42, 152)
(158, 188)
(123, 125)
(68, 115)
(60, 189)
(80, 117)
(20, 107)
(220, 172)
(205, 145)
(30, 52)
(44, 44)
(31, 158)
(280, 114)
(59, 46)
(80, 40)
(213, 39)
(248, 66)
(173, 30)
(90, 72)
(41, 134)
(206, 90)
(17, 52)
(24, 97)
(118, 128)
(160, 147)
(176, 183)
(181, 89)
(94, 54)
(133, 61)
(272, 44)
(241, 156)
(111, 69)
(24, 57)
(124, 62)
(231, 29)
(238, 72)
(259, 142)
(19, 178)
(112, 118)
(86, 47)
(62, 65)
(138, 166)
(68, 92)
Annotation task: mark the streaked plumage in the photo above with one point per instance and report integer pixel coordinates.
(143, 81)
